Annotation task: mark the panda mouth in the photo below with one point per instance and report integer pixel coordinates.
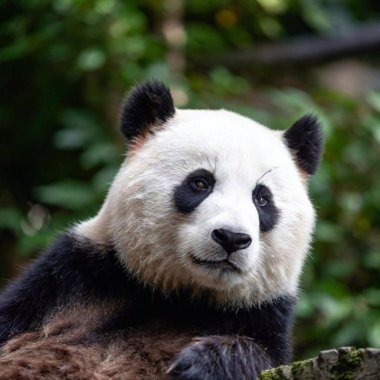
(216, 264)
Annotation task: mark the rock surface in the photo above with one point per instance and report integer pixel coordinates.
(346, 363)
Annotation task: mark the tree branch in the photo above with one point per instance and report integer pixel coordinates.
(306, 50)
(342, 363)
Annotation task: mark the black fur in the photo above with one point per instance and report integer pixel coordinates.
(187, 197)
(148, 105)
(233, 342)
(68, 270)
(269, 324)
(221, 357)
(305, 139)
(269, 213)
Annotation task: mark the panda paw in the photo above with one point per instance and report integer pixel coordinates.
(199, 360)
(219, 357)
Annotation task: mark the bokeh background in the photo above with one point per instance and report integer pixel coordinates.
(66, 65)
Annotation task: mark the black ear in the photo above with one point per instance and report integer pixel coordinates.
(147, 106)
(305, 139)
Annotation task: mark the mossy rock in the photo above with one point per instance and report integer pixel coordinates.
(346, 363)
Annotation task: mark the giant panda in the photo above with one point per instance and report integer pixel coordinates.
(189, 270)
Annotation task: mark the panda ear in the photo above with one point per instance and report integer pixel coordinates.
(305, 139)
(147, 106)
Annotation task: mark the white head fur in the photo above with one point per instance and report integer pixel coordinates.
(170, 249)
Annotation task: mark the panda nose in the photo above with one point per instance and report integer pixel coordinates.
(231, 241)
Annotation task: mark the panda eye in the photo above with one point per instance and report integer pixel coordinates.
(200, 184)
(261, 201)
(262, 196)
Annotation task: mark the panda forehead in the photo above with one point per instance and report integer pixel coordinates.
(221, 131)
(220, 141)
(224, 123)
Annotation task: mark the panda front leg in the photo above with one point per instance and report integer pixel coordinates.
(220, 357)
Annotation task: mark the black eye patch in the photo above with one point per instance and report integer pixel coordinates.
(267, 210)
(193, 190)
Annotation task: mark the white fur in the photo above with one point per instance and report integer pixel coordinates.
(154, 241)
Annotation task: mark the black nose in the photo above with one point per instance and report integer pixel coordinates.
(231, 241)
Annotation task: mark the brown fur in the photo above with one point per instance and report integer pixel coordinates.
(67, 348)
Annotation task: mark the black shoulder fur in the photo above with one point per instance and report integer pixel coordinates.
(68, 270)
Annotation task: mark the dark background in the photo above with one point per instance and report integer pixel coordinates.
(66, 65)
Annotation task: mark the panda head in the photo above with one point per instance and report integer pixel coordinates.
(210, 200)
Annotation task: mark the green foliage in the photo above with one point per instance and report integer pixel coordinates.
(65, 66)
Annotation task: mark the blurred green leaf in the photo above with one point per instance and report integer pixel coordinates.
(374, 335)
(10, 218)
(69, 194)
(374, 100)
(91, 59)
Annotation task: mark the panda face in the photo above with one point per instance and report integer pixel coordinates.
(209, 201)
(213, 201)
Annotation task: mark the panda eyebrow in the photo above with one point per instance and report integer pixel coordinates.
(267, 172)
(212, 166)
